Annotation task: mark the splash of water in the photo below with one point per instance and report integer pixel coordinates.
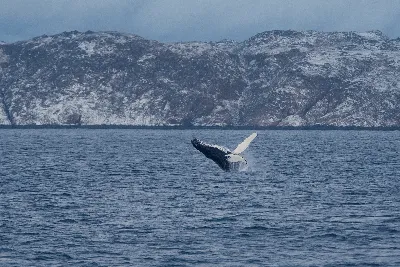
(251, 164)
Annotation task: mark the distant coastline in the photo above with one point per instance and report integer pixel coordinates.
(180, 127)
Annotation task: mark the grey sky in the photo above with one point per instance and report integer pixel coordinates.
(200, 20)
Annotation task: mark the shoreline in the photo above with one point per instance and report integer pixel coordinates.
(180, 127)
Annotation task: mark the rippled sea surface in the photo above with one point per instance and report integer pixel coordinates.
(81, 197)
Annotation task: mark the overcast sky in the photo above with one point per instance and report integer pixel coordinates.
(195, 20)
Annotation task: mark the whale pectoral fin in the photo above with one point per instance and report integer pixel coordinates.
(243, 145)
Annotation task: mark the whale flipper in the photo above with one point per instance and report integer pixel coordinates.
(243, 145)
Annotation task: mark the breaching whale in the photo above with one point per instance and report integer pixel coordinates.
(226, 159)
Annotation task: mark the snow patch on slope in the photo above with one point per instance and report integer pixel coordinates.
(90, 112)
(371, 35)
(88, 47)
(3, 116)
(197, 49)
(145, 58)
(292, 120)
(42, 42)
(3, 57)
(92, 48)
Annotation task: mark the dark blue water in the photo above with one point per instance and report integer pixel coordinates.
(83, 197)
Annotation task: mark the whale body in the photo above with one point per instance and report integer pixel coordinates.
(226, 159)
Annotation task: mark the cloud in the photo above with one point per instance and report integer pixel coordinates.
(203, 20)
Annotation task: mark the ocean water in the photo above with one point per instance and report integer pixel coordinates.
(128, 197)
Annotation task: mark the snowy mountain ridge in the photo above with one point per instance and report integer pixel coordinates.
(275, 78)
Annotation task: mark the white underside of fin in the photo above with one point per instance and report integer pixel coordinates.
(235, 158)
(244, 145)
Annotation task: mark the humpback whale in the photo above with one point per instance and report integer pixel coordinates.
(226, 159)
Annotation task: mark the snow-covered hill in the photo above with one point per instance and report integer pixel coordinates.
(274, 78)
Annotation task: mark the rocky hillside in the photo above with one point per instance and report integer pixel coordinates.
(274, 78)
